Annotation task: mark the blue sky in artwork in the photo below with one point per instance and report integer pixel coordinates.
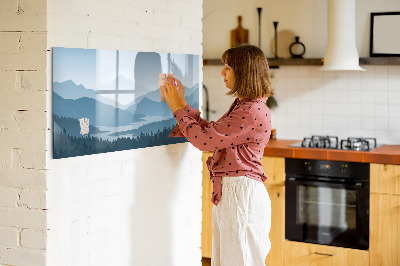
(97, 69)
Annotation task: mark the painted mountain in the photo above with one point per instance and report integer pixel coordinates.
(118, 94)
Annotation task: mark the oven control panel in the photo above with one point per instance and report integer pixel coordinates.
(338, 169)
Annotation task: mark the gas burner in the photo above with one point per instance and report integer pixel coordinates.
(358, 144)
(332, 142)
(327, 142)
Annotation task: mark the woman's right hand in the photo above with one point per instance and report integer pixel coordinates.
(181, 91)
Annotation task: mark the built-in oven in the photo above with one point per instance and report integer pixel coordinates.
(327, 202)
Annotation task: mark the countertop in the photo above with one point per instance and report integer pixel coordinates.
(389, 154)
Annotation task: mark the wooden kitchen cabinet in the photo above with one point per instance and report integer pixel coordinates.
(305, 254)
(385, 178)
(206, 225)
(384, 236)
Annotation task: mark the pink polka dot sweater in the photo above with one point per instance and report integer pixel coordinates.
(238, 139)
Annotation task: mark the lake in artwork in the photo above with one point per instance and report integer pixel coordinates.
(109, 100)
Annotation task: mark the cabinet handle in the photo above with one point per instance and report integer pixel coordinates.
(325, 254)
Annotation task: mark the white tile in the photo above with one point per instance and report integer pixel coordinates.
(380, 84)
(303, 82)
(329, 94)
(304, 109)
(317, 120)
(291, 71)
(381, 110)
(316, 82)
(394, 97)
(355, 122)
(330, 131)
(381, 97)
(328, 74)
(316, 72)
(355, 132)
(293, 120)
(355, 109)
(292, 83)
(342, 109)
(367, 83)
(381, 71)
(278, 83)
(342, 133)
(354, 84)
(367, 96)
(367, 122)
(394, 83)
(394, 110)
(304, 72)
(329, 109)
(317, 95)
(367, 133)
(329, 121)
(382, 123)
(394, 123)
(317, 107)
(342, 81)
(382, 136)
(367, 110)
(342, 96)
(394, 70)
(355, 96)
(279, 72)
(342, 122)
(394, 137)
(317, 131)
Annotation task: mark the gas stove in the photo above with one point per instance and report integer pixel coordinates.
(332, 142)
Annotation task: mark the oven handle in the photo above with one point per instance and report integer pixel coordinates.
(357, 185)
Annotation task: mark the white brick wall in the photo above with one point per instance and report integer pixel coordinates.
(135, 207)
(23, 132)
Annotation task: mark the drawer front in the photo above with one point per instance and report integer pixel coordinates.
(297, 253)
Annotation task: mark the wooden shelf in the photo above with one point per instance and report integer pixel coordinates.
(274, 63)
(380, 61)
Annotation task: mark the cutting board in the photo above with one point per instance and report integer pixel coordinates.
(239, 35)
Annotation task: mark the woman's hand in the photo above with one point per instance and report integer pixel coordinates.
(172, 95)
(181, 92)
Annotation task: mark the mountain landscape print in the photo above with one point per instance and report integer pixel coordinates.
(109, 100)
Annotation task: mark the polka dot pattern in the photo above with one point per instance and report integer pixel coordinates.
(238, 139)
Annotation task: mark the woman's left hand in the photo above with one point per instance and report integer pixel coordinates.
(171, 95)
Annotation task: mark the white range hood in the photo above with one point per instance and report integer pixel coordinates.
(341, 51)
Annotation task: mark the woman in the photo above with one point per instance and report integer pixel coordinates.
(242, 208)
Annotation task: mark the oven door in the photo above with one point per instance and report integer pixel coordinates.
(327, 213)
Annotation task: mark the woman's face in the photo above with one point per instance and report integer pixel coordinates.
(229, 76)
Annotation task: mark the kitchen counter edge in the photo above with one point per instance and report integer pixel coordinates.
(385, 154)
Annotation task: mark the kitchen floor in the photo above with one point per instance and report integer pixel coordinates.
(206, 261)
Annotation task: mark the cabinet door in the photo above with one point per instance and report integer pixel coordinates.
(206, 232)
(274, 168)
(304, 254)
(277, 233)
(384, 230)
(385, 178)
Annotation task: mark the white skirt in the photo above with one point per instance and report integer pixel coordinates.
(241, 223)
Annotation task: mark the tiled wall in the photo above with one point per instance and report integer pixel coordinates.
(339, 103)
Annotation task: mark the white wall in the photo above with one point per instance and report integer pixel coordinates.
(311, 102)
(23, 133)
(135, 207)
(304, 18)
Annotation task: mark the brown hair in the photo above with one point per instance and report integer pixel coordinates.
(250, 66)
